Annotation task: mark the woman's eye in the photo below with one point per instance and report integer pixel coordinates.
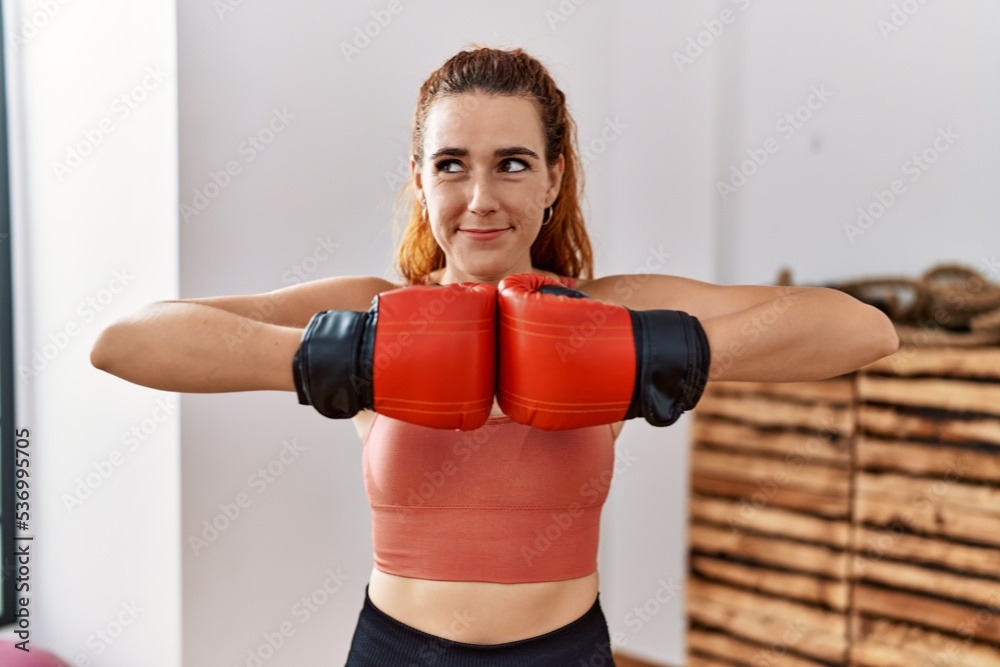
(520, 162)
(444, 164)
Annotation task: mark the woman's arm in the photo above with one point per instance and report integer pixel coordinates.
(220, 344)
(764, 333)
(814, 334)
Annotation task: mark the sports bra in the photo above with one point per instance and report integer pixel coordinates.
(503, 503)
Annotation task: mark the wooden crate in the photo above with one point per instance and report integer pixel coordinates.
(926, 529)
(770, 524)
(854, 521)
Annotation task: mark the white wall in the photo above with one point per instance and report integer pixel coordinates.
(90, 245)
(892, 90)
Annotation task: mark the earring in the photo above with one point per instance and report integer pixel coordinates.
(423, 213)
(548, 214)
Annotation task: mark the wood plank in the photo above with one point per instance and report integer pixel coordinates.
(973, 590)
(979, 362)
(743, 516)
(875, 544)
(891, 423)
(694, 660)
(941, 494)
(791, 444)
(762, 411)
(835, 390)
(942, 394)
(913, 607)
(808, 630)
(826, 505)
(921, 515)
(927, 458)
(803, 587)
(826, 479)
(737, 649)
(768, 550)
(880, 642)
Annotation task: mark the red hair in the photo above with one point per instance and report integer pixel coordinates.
(562, 245)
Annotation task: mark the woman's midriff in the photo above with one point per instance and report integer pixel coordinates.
(475, 612)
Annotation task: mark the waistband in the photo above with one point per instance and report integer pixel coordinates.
(386, 641)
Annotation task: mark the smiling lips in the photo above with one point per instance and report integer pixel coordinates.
(484, 235)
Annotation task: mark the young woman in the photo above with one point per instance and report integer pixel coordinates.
(464, 578)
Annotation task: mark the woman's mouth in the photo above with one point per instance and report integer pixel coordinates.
(484, 234)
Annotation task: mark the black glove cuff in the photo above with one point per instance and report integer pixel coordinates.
(332, 368)
(562, 290)
(672, 364)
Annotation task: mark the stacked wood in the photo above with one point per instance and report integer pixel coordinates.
(854, 521)
(926, 563)
(770, 524)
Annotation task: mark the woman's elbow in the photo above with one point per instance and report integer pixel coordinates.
(885, 340)
(108, 349)
(102, 353)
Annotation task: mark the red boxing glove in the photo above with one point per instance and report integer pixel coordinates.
(422, 354)
(568, 361)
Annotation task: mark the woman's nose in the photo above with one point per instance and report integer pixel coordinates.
(483, 199)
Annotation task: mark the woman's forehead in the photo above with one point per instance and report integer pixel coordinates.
(480, 123)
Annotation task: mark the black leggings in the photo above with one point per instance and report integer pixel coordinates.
(382, 641)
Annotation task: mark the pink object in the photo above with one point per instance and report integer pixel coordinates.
(505, 503)
(11, 656)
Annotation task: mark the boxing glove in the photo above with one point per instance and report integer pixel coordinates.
(422, 354)
(569, 361)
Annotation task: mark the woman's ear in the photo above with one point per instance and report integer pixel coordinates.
(555, 178)
(418, 183)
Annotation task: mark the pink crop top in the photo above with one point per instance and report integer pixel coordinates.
(504, 503)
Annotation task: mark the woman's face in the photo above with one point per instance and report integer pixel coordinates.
(484, 169)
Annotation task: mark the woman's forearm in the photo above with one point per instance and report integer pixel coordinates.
(808, 335)
(190, 347)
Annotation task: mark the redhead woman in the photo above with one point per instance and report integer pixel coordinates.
(498, 366)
